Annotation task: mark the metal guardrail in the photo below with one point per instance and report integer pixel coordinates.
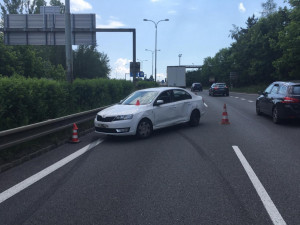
(12, 137)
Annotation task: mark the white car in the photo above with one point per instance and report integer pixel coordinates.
(149, 109)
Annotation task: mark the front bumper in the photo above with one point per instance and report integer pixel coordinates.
(116, 128)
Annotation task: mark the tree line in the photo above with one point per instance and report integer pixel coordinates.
(267, 49)
(47, 61)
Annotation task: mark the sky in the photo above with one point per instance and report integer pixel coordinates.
(197, 29)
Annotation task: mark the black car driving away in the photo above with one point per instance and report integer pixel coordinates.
(196, 87)
(218, 89)
(281, 100)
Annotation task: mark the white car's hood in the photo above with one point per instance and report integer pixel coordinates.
(121, 110)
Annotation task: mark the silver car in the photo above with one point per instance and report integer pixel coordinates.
(149, 109)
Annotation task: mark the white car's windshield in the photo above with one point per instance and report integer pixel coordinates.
(143, 97)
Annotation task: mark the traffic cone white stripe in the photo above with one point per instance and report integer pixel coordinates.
(75, 134)
(225, 116)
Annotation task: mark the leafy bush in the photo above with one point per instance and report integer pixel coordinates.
(30, 100)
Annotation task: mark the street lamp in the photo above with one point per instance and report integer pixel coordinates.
(142, 60)
(179, 58)
(156, 23)
(152, 58)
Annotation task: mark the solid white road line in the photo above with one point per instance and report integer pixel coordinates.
(265, 198)
(31, 180)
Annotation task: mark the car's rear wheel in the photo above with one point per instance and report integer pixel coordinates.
(194, 118)
(144, 128)
(275, 117)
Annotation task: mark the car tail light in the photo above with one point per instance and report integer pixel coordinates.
(290, 100)
(215, 88)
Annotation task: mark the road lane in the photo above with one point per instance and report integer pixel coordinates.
(181, 175)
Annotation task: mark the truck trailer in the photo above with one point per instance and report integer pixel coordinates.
(176, 76)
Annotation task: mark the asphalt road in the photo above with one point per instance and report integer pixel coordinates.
(180, 175)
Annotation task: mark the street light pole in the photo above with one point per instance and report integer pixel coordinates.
(142, 60)
(179, 58)
(156, 23)
(152, 52)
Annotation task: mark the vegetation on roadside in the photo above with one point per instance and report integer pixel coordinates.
(25, 101)
(267, 49)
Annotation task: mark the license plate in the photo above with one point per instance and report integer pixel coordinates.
(102, 125)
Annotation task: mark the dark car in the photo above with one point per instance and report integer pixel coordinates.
(196, 87)
(218, 89)
(281, 100)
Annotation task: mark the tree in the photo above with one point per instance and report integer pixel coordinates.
(269, 7)
(12, 7)
(34, 7)
(89, 63)
(58, 3)
(289, 43)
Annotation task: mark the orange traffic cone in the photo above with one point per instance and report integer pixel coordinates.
(225, 116)
(75, 134)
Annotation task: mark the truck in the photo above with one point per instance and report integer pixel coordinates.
(176, 76)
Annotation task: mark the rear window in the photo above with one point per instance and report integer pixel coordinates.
(221, 85)
(296, 90)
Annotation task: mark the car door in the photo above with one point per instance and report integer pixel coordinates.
(263, 102)
(271, 98)
(183, 105)
(164, 114)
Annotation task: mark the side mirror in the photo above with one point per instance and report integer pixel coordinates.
(159, 102)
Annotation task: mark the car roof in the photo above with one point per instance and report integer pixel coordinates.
(294, 82)
(160, 89)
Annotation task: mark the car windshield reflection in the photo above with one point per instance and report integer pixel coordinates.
(144, 98)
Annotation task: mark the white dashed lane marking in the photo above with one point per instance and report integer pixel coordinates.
(242, 99)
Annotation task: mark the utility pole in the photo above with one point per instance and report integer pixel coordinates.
(69, 58)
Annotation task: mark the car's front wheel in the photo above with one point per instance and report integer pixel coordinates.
(258, 112)
(194, 118)
(144, 128)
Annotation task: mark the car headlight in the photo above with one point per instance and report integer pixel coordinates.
(124, 117)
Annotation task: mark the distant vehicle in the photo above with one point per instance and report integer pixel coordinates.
(149, 109)
(281, 100)
(196, 87)
(218, 89)
(176, 76)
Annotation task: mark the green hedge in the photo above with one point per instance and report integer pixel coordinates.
(25, 101)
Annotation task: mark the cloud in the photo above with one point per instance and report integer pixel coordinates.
(242, 8)
(193, 8)
(111, 24)
(98, 17)
(172, 12)
(79, 5)
(121, 66)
